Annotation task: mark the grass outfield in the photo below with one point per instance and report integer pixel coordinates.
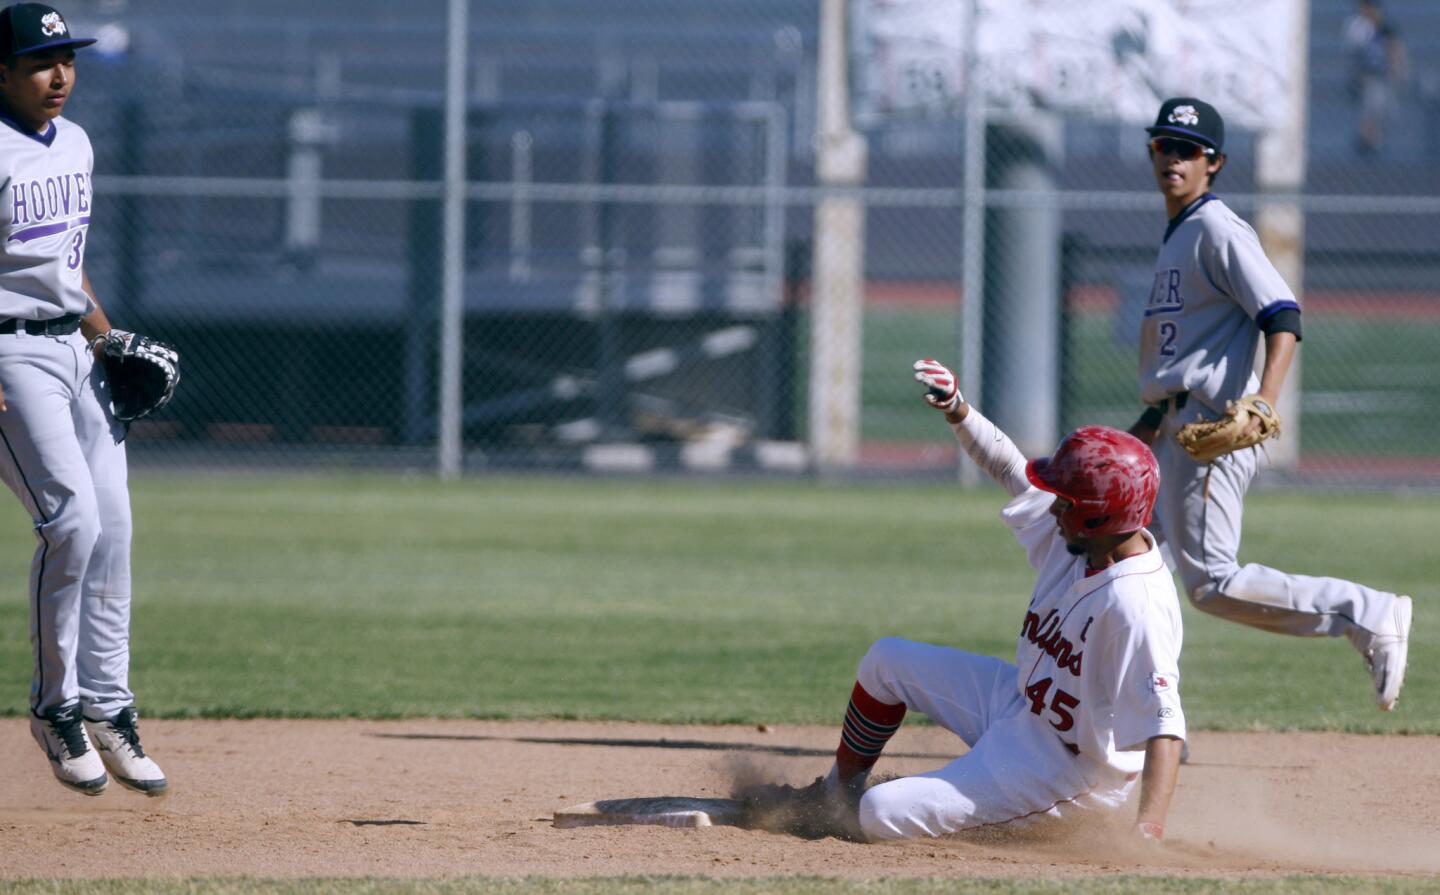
(659, 601)
(1368, 382)
(1114, 885)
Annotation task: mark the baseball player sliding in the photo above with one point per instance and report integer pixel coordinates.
(1091, 702)
(61, 448)
(1214, 297)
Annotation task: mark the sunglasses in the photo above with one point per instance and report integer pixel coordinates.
(1181, 149)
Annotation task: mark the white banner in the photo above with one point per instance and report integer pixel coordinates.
(1105, 58)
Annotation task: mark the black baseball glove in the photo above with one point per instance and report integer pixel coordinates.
(142, 372)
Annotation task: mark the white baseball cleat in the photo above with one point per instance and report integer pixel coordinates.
(62, 735)
(118, 739)
(1386, 651)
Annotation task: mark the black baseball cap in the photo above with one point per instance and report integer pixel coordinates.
(34, 27)
(1192, 119)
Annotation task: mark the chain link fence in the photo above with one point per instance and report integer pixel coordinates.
(639, 239)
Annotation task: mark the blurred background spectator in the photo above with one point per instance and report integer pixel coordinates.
(1378, 68)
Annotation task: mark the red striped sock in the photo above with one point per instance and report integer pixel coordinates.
(869, 725)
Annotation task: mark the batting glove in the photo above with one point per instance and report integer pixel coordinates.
(941, 391)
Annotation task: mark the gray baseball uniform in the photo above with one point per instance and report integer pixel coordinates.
(1213, 291)
(60, 447)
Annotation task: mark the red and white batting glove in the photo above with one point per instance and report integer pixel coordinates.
(941, 391)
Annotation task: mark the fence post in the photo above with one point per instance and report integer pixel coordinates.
(426, 153)
(1280, 160)
(609, 358)
(1022, 285)
(450, 407)
(837, 295)
(303, 171)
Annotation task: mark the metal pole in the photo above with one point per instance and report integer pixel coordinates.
(1021, 270)
(973, 259)
(452, 310)
(521, 171)
(1280, 162)
(837, 299)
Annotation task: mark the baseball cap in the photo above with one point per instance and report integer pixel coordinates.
(1192, 119)
(33, 27)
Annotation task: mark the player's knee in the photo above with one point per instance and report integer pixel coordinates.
(115, 528)
(883, 654)
(882, 816)
(1203, 596)
(76, 527)
(1203, 585)
(912, 808)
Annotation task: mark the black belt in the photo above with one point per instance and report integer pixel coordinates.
(1178, 400)
(59, 326)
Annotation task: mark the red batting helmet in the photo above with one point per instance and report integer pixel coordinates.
(1110, 476)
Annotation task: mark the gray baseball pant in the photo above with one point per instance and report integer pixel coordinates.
(1198, 516)
(61, 452)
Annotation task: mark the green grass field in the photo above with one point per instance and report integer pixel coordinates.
(658, 601)
(1368, 384)
(662, 601)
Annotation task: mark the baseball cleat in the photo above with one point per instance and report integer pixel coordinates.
(61, 735)
(1386, 652)
(824, 808)
(118, 741)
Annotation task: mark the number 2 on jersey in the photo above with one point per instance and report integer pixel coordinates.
(1169, 332)
(76, 247)
(1061, 703)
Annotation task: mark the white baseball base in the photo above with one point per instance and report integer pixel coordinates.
(665, 811)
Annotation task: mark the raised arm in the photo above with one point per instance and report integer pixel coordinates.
(991, 449)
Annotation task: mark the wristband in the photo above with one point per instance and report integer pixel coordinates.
(1149, 831)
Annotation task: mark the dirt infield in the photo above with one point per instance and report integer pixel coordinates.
(425, 798)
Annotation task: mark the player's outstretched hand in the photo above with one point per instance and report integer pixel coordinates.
(941, 392)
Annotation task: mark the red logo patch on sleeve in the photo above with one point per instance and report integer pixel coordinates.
(1162, 681)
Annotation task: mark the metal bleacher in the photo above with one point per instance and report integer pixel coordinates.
(212, 90)
(235, 67)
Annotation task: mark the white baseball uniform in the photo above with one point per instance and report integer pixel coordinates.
(1060, 731)
(60, 447)
(1213, 290)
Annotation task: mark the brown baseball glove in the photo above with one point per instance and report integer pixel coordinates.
(1207, 441)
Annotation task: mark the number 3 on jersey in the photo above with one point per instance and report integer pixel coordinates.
(1060, 704)
(77, 247)
(1169, 332)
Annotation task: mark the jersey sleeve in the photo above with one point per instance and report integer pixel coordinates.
(1238, 266)
(1028, 515)
(1142, 658)
(993, 451)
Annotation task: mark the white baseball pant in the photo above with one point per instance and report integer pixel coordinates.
(1017, 772)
